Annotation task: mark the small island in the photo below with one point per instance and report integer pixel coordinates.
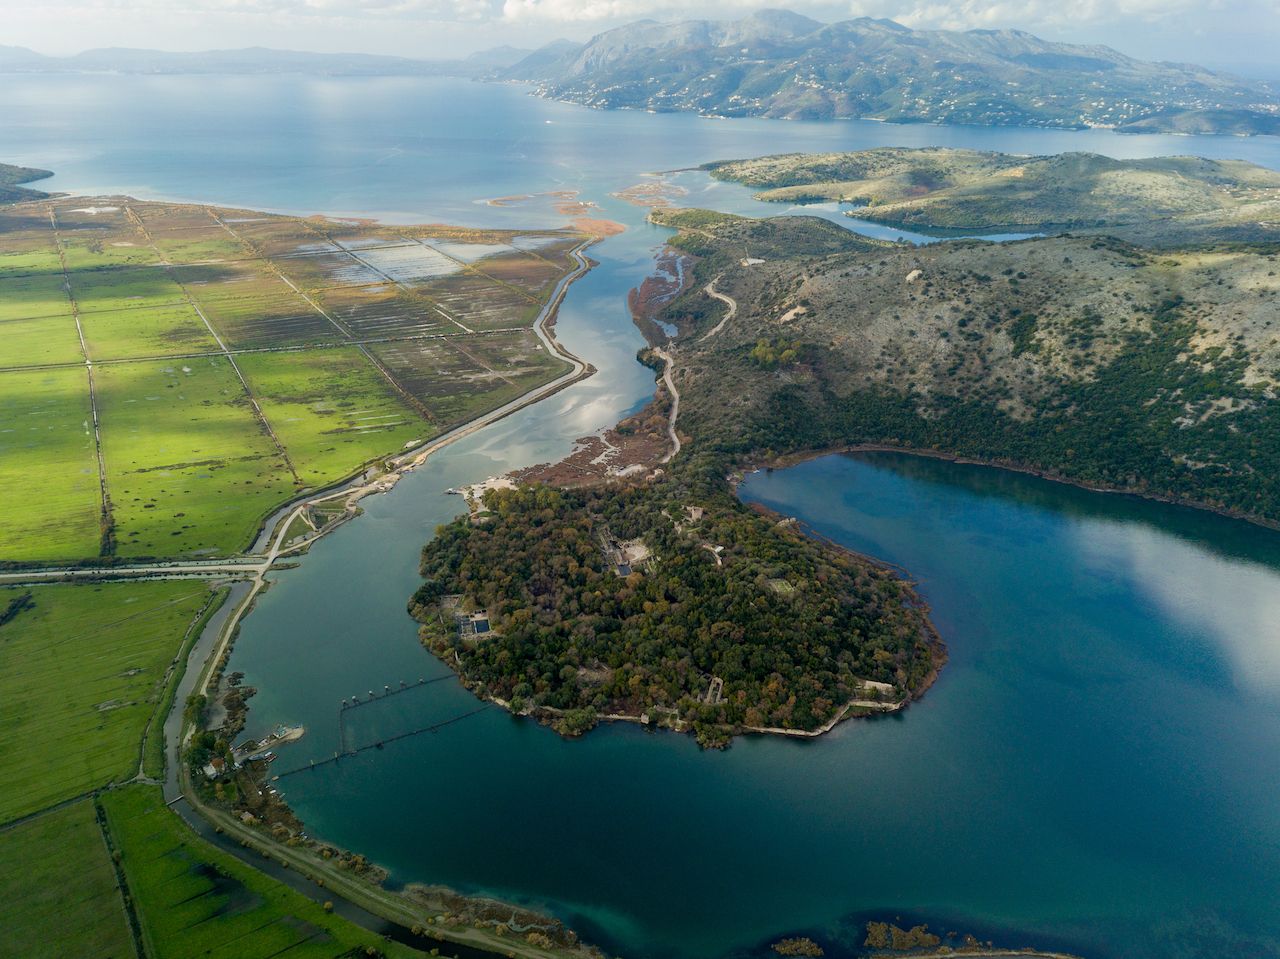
(670, 604)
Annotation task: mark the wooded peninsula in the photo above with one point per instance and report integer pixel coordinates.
(668, 603)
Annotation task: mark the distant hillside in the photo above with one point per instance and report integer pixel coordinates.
(1155, 371)
(780, 64)
(1160, 200)
(12, 176)
(255, 60)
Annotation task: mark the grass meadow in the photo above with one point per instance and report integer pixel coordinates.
(40, 341)
(49, 492)
(332, 409)
(143, 332)
(81, 672)
(58, 892)
(194, 900)
(190, 468)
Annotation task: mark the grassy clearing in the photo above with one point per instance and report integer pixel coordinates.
(124, 289)
(250, 306)
(58, 893)
(194, 900)
(155, 331)
(101, 254)
(191, 470)
(35, 262)
(332, 409)
(279, 319)
(189, 467)
(81, 672)
(49, 494)
(462, 377)
(27, 296)
(197, 245)
(36, 342)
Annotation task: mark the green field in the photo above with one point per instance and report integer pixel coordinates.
(97, 255)
(151, 331)
(39, 341)
(193, 900)
(257, 309)
(462, 377)
(197, 246)
(49, 494)
(380, 358)
(42, 260)
(124, 289)
(332, 409)
(27, 296)
(194, 458)
(64, 905)
(80, 675)
(190, 468)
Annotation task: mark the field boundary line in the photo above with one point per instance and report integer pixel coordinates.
(263, 258)
(412, 292)
(350, 338)
(253, 400)
(106, 519)
(122, 882)
(47, 810)
(252, 350)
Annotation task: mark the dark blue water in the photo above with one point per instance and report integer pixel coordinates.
(1098, 766)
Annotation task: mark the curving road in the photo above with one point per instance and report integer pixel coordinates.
(667, 379)
(730, 302)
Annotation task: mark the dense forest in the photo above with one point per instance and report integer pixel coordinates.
(792, 628)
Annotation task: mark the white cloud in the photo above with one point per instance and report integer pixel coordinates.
(970, 14)
(1232, 606)
(1219, 31)
(578, 11)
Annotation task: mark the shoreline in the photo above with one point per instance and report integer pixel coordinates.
(544, 715)
(785, 460)
(216, 640)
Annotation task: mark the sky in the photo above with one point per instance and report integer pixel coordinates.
(1243, 35)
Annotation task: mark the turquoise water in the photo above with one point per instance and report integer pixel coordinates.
(1097, 767)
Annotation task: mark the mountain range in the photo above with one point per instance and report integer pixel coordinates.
(775, 63)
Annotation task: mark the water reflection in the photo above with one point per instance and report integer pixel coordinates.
(1235, 603)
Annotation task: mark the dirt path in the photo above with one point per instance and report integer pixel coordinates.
(675, 404)
(108, 522)
(730, 302)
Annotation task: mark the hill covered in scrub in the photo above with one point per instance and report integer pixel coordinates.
(1084, 357)
(669, 601)
(1170, 200)
(11, 178)
(775, 63)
